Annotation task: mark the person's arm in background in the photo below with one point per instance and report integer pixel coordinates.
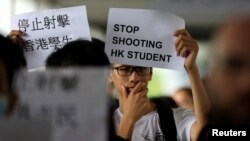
(188, 48)
(16, 37)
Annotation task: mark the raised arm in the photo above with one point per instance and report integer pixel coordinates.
(188, 48)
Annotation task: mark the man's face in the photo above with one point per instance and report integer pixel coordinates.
(229, 78)
(128, 76)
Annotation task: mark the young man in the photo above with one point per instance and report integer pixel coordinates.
(11, 60)
(137, 118)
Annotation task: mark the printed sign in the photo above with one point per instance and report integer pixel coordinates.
(143, 38)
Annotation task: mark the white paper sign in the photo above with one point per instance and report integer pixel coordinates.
(50, 29)
(74, 100)
(143, 38)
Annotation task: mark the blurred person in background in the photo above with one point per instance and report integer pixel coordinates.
(184, 98)
(11, 61)
(229, 72)
(228, 81)
(79, 53)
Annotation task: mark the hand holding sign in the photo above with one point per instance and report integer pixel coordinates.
(187, 47)
(17, 37)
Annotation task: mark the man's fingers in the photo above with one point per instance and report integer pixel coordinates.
(144, 93)
(124, 92)
(178, 32)
(182, 31)
(182, 38)
(17, 33)
(183, 45)
(183, 51)
(137, 88)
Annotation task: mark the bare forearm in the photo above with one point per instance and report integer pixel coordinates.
(125, 128)
(200, 97)
(201, 102)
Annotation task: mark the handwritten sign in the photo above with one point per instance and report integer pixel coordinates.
(143, 38)
(74, 100)
(49, 30)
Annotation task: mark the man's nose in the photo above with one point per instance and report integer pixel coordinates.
(134, 77)
(245, 80)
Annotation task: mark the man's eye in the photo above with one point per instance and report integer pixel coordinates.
(234, 63)
(124, 69)
(141, 69)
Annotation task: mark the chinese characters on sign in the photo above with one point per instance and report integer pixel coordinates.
(50, 30)
(46, 23)
(46, 43)
(65, 115)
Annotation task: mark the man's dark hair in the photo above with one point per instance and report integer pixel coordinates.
(79, 53)
(12, 57)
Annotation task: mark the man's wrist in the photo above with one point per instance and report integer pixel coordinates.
(192, 69)
(126, 127)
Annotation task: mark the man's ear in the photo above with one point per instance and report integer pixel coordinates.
(110, 78)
